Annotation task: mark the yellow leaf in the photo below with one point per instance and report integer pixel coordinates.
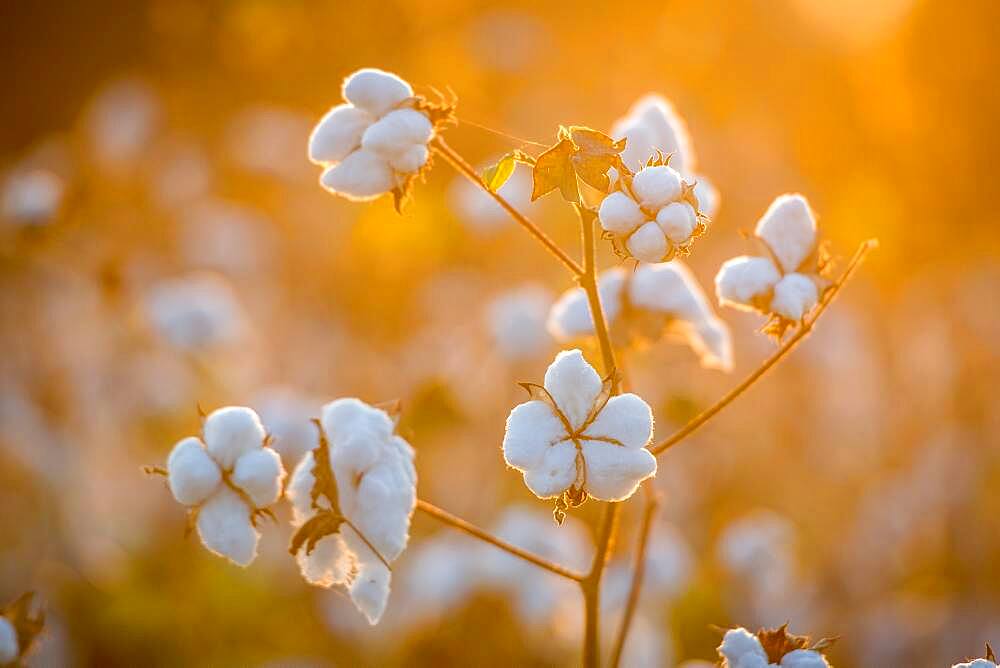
(554, 169)
(496, 175)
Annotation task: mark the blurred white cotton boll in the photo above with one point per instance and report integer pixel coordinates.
(436, 576)
(196, 312)
(9, 648)
(287, 415)
(268, 140)
(759, 548)
(517, 321)
(480, 212)
(121, 122)
(570, 315)
(31, 198)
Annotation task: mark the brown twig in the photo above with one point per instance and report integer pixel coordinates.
(588, 281)
(469, 172)
(476, 532)
(638, 572)
(591, 586)
(804, 329)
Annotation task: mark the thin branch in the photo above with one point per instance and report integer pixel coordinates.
(591, 586)
(471, 529)
(804, 329)
(469, 172)
(588, 281)
(638, 572)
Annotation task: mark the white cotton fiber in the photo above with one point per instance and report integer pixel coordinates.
(9, 648)
(230, 432)
(804, 658)
(530, 427)
(191, 473)
(375, 91)
(743, 278)
(570, 316)
(370, 590)
(259, 474)
(619, 213)
(362, 176)
(397, 131)
(656, 186)
(555, 472)
(411, 160)
(573, 384)
(789, 229)
(677, 220)
(338, 133)
(627, 419)
(225, 529)
(614, 472)
(739, 646)
(794, 296)
(647, 244)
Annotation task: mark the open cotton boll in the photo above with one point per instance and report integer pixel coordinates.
(620, 213)
(375, 91)
(362, 176)
(647, 243)
(370, 590)
(794, 296)
(656, 186)
(9, 646)
(789, 229)
(191, 473)
(739, 647)
(231, 432)
(259, 474)
(570, 316)
(411, 160)
(741, 279)
(804, 658)
(338, 133)
(573, 384)
(225, 528)
(392, 135)
(678, 221)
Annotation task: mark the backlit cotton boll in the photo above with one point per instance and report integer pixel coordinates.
(9, 647)
(516, 321)
(374, 143)
(225, 478)
(653, 214)
(376, 493)
(574, 439)
(788, 283)
(742, 649)
(31, 198)
(654, 300)
(651, 125)
(196, 312)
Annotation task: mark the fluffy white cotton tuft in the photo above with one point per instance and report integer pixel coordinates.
(620, 213)
(259, 474)
(396, 132)
(231, 432)
(225, 528)
(742, 649)
(338, 133)
(794, 296)
(647, 244)
(804, 658)
(789, 229)
(744, 279)
(361, 177)
(9, 648)
(656, 186)
(191, 473)
(976, 663)
(678, 221)
(538, 443)
(370, 590)
(375, 91)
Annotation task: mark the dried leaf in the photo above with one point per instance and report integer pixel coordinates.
(596, 153)
(779, 642)
(323, 523)
(824, 643)
(554, 169)
(990, 656)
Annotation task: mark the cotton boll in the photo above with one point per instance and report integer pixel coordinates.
(361, 177)
(396, 132)
(739, 645)
(300, 488)
(742, 279)
(191, 473)
(370, 590)
(31, 198)
(626, 418)
(794, 296)
(196, 312)
(287, 417)
(121, 122)
(573, 384)
(653, 124)
(9, 648)
(570, 316)
(555, 473)
(531, 426)
(677, 220)
(647, 244)
(977, 663)
(259, 474)
(713, 343)
(375, 91)
(225, 528)
(613, 473)
(804, 658)
(516, 322)
(656, 186)
(338, 133)
(232, 431)
(411, 159)
(328, 564)
(619, 213)
(789, 229)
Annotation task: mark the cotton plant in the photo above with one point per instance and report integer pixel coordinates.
(376, 142)
(228, 478)
(652, 124)
(787, 280)
(643, 305)
(352, 500)
(574, 440)
(771, 648)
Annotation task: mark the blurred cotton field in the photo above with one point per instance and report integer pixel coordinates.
(166, 250)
